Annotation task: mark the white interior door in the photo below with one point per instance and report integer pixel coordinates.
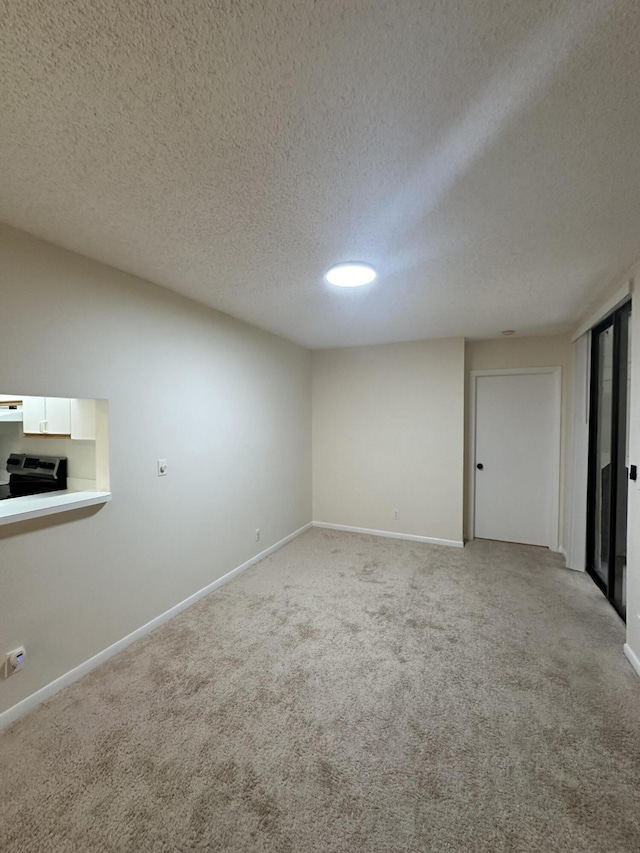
(517, 433)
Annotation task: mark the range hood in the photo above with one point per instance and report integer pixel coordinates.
(10, 415)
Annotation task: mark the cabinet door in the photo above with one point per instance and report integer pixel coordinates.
(58, 415)
(83, 419)
(33, 414)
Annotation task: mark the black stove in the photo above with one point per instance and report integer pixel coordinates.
(34, 475)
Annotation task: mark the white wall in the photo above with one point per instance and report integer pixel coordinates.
(228, 405)
(515, 352)
(388, 434)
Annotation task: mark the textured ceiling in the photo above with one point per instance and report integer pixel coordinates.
(482, 154)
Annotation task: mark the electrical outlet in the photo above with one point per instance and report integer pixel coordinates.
(257, 534)
(396, 514)
(14, 661)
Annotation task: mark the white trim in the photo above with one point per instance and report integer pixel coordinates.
(587, 377)
(11, 714)
(554, 504)
(567, 562)
(576, 462)
(632, 657)
(604, 309)
(389, 534)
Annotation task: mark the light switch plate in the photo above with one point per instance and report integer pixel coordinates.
(162, 467)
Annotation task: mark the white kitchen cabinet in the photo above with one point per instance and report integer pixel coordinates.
(46, 415)
(83, 419)
(32, 414)
(57, 411)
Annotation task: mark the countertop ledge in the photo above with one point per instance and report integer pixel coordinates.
(34, 506)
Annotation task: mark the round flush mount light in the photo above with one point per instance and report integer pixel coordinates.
(350, 274)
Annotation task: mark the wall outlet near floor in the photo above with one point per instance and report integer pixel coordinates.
(14, 661)
(396, 514)
(257, 534)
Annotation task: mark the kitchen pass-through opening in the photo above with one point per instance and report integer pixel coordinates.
(52, 445)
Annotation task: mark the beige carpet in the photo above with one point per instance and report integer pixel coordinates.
(348, 694)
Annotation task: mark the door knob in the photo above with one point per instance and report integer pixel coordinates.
(479, 466)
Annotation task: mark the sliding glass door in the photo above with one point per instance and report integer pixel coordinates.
(608, 457)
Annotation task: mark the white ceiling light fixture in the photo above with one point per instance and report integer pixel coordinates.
(350, 274)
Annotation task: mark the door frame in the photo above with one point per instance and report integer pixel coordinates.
(554, 503)
(613, 320)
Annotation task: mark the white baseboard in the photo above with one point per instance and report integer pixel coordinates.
(12, 714)
(632, 658)
(453, 543)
